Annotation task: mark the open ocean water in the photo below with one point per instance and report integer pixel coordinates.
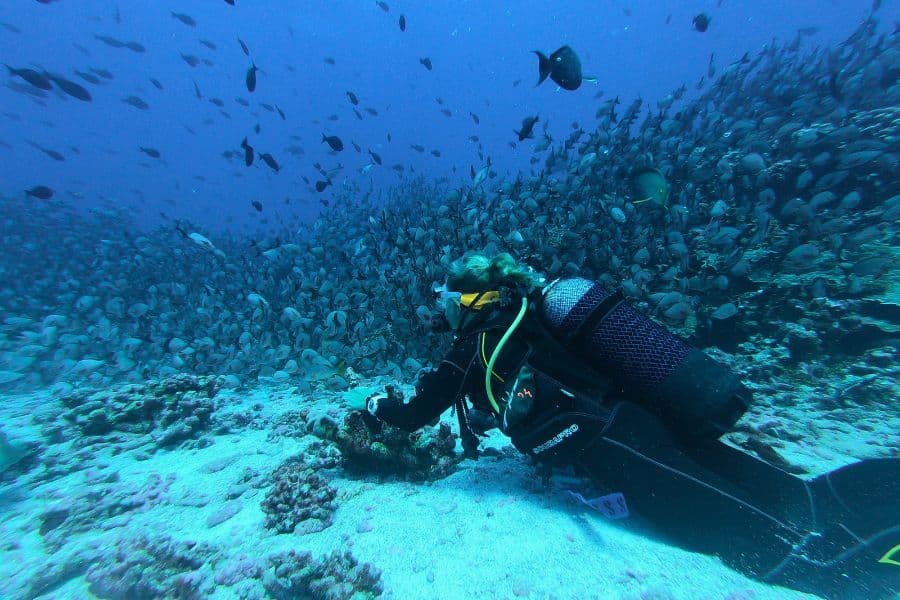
(223, 223)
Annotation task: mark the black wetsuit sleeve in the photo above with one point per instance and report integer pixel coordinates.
(436, 391)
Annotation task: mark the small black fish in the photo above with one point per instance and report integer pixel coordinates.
(375, 157)
(136, 102)
(190, 59)
(475, 118)
(321, 185)
(208, 44)
(563, 67)
(229, 2)
(51, 153)
(527, 130)
(156, 83)
(383, 5)
(334, 141)
(358, 114)
(218, 102)
(248, 152)
(402, 23)
(418, 147)
(251, 78)
(372, 112)
(151, 152)
(353, 99)
(669, 18)
(71, 88)
(280, 113)
(324, 202)
(31, 76)
(197, 91)
(426, 62)
(257, 128)
(329, 60)
(244, 46)
(257, 205)
(436, 153)
(186, 19)
(701, 22)
(356, 147)
(40, 191)
(135, 47)
(270, 160)
(102, 73)
(89, 77)
(110, 41)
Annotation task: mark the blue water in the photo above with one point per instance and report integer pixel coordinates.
(478, 50)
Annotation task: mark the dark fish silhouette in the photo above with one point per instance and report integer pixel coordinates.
(527, 130)
(270, 160)
(244, 47)
(281, 113)
(321, 185)
(701, 22)
(353, 99)
(71, 88)
(102, 73)
(40, 191)
(251, 78)
(135, 47)
(375, 157)
(208, 44)
(334, 141)
(110, 41)
(475, 118)
(136, 102)
(257, 205)
(190, 59)
(51, 153)
(89, 77)
(383, 5)
(426, 62)
(402, 23)
(229, 2)
(31, 76)
(248, 152)
(151, 152)
(563, 67)
(186, 19)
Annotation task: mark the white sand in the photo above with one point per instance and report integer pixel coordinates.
(487, 531)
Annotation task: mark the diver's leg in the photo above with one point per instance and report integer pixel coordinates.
(856, 550)
(694, 507)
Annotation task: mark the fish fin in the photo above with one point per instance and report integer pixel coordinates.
(544, 67)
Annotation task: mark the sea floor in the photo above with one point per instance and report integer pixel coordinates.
(489, 530)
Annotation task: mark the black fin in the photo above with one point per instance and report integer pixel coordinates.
(544, 67)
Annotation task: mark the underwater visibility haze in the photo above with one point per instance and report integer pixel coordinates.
(454, 299)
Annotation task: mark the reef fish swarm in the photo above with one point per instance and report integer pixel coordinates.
(778, 226)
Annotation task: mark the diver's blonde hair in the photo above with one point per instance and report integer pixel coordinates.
(478, 273)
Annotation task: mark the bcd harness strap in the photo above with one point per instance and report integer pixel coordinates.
(596, 315)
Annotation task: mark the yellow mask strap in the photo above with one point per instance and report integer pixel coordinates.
(478, 300)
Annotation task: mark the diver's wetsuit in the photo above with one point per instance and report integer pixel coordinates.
(619, 398)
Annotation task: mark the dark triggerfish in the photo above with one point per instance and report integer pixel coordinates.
(562, 66)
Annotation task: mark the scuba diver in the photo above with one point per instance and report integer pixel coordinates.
(577, 378)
